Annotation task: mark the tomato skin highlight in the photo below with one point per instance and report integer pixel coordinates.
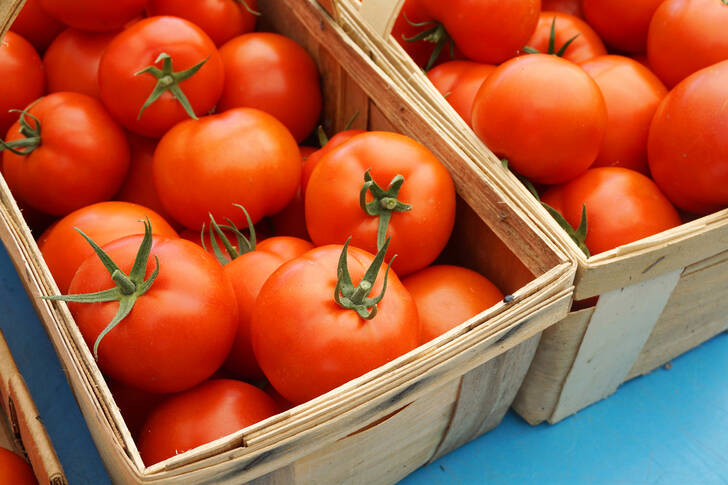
(587, 45)
(688, 142)
(544, 114)
(36, 26)
(205, 413)
(622, 24)
(460, 81)
(92, 15)
(326, 345)
(23, 77)
(14, 470)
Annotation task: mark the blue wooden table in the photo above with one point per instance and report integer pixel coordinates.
(668, 428)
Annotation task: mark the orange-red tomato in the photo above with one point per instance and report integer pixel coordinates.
(210, 411)
(622, 206)
(586, 44)
(291, 221)
(14, 470)
(632, 93)
(241, 156)
(572, 7)
(314, 158)
(686, 36)
(544, 114)
(36, 25)
(688, 142)
(622, 24)
(307, 345)
(72, 61)
(81, 157)
(135, 405)
(220, 19)
(23, 80)
(446, 296)
(64, 249)
(274, 74)
(459, 82)
(93, 15)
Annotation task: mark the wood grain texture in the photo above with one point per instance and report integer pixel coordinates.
(381, 14)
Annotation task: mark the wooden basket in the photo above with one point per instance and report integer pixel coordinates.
(657, 296)
(21, 429)
(381, 426)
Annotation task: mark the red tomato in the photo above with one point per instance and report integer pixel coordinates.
(261, 233)
(220, 19)
(93, 15)
(686, 36)
(247, 273)
(72, 61)
(125, 89)
(36, 26)
(688, 142)
(522, 113)
(586, 44)
(632, 94)
(14, 470)
(135, 405)
(242, 156)
(210, 411)
(78, 155)
(622, 24)
(418, 234)
(22, 73)
(273, 74)
(64, 249)
(572, 7)
(459, 82)
(313, 159)
(291, 221)
(306, 151)
(177, 334)
(622, 206)
(307, 345)
(446, 296)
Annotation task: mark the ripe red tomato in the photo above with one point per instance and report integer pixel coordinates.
(306, 344)
(688, 142)
(127, 83)
(291, 221)
(135, 405)
(241, 156)
(586, 43)
(220, 19)
(686, 36)
(177, 334)
(622, 206)
(274, 74)
(418, 234)
(459, 82)
(93, 15)
(74, 154)
(64, 249)
(446, 296)
(22, 73)
(622, 24)
(14, 470)
(36, 26)
(210, 411)
(247, 273)
(632, 93)
(314, 158)
(572, 7)
(72, 61)
(522, 113)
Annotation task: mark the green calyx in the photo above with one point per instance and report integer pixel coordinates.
(245, 245)
(434, 33)
(552, 43)
(24, 146)
(384, 204)
(356, 297)
(247, 8)
(168, 80)
(128, 287)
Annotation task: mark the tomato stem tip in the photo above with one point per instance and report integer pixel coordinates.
(384, 203)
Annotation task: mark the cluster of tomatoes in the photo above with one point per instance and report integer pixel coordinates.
(588, 99)
(218, 271)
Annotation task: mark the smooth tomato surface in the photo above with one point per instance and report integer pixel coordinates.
(177, 334)
(622, 206)
(622, 24)
(273, 74)
(124, 93)
(632, 93)
(572, 7)
(688, 142)
(210, 411)
(333, 211)
(92, 15)
(419, 51)
(587, 44)
(459, 82)
(82, 158)
(447, 296)
(64, 249)
(544, 114)
(307, 345)
(14, 470)
(36, 25)
(241, 156)
(23, 80)
(314, 158)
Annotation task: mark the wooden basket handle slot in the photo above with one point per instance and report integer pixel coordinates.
(9, 9)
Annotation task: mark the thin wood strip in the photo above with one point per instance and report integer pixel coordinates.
(381, 14)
